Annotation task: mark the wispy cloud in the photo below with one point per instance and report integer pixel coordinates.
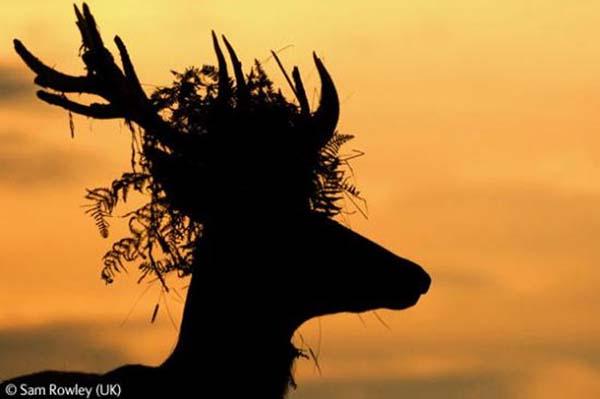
(489, 386)
(511, 370)
(56, 346)
(28, 164)
(14, 83)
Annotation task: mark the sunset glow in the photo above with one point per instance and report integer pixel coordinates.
(480, 129)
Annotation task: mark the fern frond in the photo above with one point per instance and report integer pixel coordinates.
(101, 207)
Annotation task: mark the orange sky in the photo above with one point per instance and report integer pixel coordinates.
(479, 123)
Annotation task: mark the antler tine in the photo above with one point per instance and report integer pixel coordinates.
(95, 110)
(128, 68)
(300, 92)
(224, 87)
(81, 25)
(50, 78)
(92, 29)
(237, 68)
(98, 60)
(121, 88)
(327, 115)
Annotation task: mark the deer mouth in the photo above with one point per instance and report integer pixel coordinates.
(411, 287)
(414, 282)
(399, 292)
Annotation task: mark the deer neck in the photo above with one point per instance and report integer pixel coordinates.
(234, 337)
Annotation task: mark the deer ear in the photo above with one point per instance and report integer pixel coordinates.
(327, 114)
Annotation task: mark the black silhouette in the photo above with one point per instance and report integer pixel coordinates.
(243, 186)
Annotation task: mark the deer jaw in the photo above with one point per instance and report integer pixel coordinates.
(309, 267)
(264, 277)
(353, 274)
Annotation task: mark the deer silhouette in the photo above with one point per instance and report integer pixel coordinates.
(268, 256)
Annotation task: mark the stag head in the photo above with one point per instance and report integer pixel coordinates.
(244, 186)
(233, 152)
(245, 137)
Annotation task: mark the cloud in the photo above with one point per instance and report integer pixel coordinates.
(489, 386)
(460, 279)
(436, 364)
(26, 163)
(14, 83)
(509, 369)
(511, 233)
(56, 346)
(567, 379)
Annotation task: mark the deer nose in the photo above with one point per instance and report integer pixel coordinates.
(426, 282)
(414, 276)
(413, 281)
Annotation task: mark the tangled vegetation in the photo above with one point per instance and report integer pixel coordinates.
(263, 132)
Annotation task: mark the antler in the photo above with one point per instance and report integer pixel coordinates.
(126, 99)
(119, 87)
(327, 115)
(325, 118)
